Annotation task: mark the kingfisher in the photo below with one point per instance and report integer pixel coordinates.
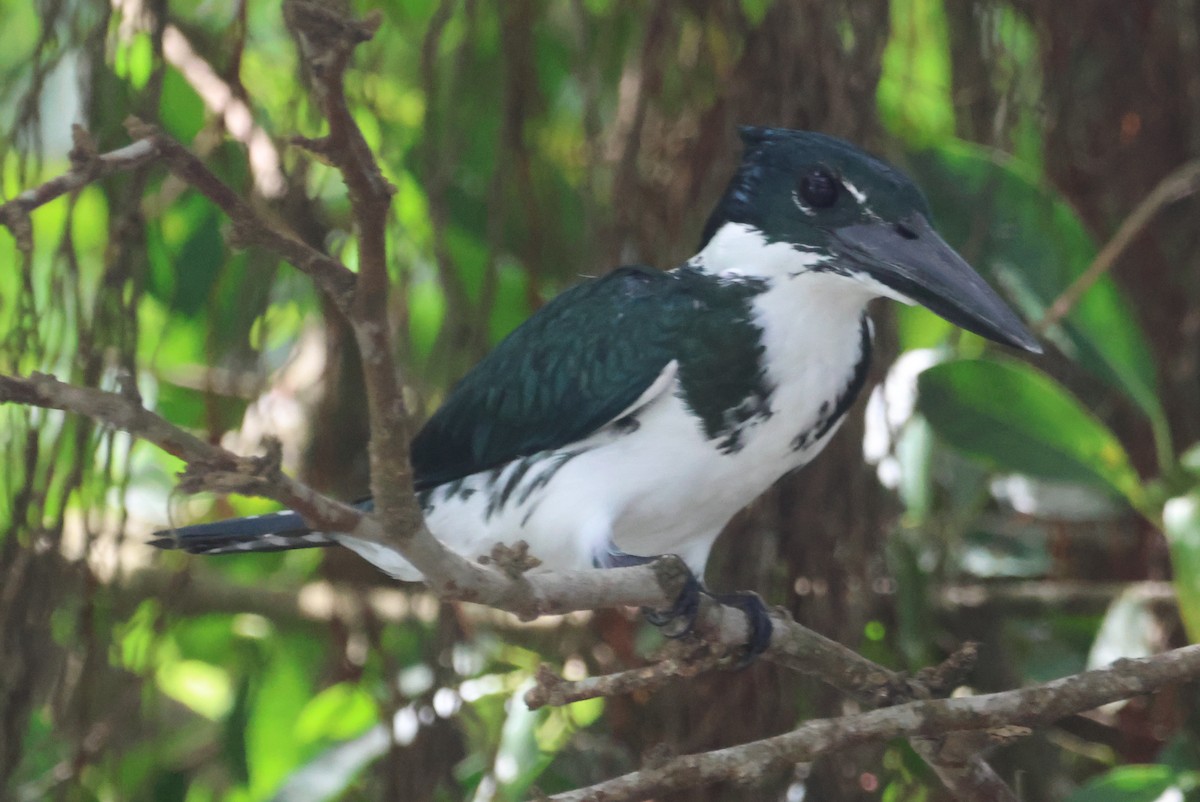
(636, 413)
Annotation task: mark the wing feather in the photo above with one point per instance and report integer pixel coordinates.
(583, 360)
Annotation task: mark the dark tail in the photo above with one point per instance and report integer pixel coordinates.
(277, 531)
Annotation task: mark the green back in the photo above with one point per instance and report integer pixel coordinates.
(587, 356)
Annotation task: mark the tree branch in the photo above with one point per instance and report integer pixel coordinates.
(1027, 707)
(86, 166)
(551, 689)
(209, 466)
(328, 40)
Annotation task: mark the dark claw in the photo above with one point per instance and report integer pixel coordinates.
(681, 616)
(680, 620)
(757, 617)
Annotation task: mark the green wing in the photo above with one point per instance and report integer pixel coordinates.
(567, 371)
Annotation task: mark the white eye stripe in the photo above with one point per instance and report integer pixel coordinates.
(861, 198)
(858, 194)
(800, 204)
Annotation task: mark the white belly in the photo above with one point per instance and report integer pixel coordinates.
(662, 489)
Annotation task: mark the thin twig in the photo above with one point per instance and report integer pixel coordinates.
(86, 168)
(551, 689)
(249, 226)
(1176, 186)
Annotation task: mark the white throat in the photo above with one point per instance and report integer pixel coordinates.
(739, 250)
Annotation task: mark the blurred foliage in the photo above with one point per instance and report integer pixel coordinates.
(532, 142)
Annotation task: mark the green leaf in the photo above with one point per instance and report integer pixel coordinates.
(200, 261)
(1189, 460)
(201, 686)
(198, 409)
(170, 786)
(182, 110)
(426, 312)
(186, 253)
(1021, 235)
(1015, 418)
(339, 712)
(755, 11)
(1127, 784)
(272, 746)
(511, 306)
(1181, 523)
(585, 712)
(914, 90)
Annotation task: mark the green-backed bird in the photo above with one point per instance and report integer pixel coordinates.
(637, 412)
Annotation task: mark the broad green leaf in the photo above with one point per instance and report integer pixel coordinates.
(199, 637)
(1181, 523)
(182, 110)
(1023, 237)
(198, 264)
(186, 254)
(197, 409)
(233, 732)
(170, 785)
(1127, 784)
(1017, 419)
(19, 35)
(201, 686)
(339, 712)
(135, 639)
(272, 745)
(134, 61)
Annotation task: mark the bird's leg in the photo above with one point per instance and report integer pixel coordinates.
(758, 619)
(678, 620)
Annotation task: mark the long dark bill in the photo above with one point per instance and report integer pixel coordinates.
(916, 262)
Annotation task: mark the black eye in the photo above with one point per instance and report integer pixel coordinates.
(819, 188)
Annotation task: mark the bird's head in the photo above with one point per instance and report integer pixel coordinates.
(830, 207)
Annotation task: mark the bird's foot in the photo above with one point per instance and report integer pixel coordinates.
(758, 619)
(679, 619)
